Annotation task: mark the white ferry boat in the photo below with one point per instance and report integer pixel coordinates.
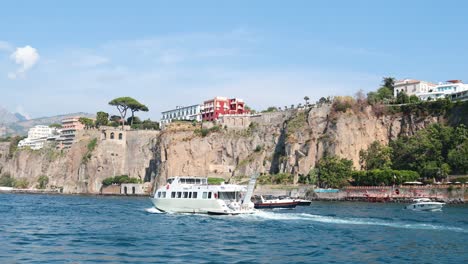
(194, 195)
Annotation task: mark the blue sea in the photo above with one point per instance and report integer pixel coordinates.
(89, 229)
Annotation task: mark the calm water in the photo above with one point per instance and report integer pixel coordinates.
(79, 229)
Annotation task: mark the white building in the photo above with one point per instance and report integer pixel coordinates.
(37, 136)
(445, 90)
(412, 87)
(181, 113)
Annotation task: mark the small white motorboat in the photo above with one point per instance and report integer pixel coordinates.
(425, 204)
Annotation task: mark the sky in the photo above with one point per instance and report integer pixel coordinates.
(59, 57)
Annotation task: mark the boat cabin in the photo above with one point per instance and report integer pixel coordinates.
(187, 180)
(198, 188)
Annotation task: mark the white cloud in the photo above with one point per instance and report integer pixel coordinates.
(26, 57)
(5, 46)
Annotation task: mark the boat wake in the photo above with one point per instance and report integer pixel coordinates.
(261, 215)
(153, 210)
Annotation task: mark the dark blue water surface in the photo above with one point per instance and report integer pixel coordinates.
(79, 229)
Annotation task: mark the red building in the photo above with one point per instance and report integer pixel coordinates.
(212, 109)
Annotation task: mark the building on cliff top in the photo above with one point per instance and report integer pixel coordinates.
(412, 87)
(210, 110)
(214, 108)
(69, 127)
(37, 136)
(452, 89)
(191, 112)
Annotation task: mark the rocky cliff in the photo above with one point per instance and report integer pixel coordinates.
(287, 141)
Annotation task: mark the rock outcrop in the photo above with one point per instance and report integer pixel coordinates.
(279, 142)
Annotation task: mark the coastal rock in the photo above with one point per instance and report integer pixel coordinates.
(279, 142)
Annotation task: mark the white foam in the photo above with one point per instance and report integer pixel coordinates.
(263, 215)
(153, 210)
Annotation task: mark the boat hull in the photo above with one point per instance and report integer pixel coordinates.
(197, 206)
(275, 205)
(433, 206)
(304, 203)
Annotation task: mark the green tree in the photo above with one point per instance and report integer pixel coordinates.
(372, 98)
(134, 120)
(148, 124)
(102, 119)
(377, 156)
(123, 104)
(334, 172)
(389, 82)
(458, 158)
(427, 152)
(270, 109)
(136, 107)
(55, 125)
(87, 122)
(402, 98)
(414, 99)
(384, 93)
(306, 99)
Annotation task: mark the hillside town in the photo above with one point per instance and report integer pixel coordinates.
(234, 112)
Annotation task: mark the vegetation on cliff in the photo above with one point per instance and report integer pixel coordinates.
(433, 152)
(119, 180)
(89, 151)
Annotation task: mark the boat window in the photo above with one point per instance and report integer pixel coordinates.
(197, 181)
(190, 195)
(179, 194)
(227, 195)
(163, 195)
(185, 195)
(194, 196)
(159, 194)
(182, 181)
(209, 195)
(205, 195)
(190, 181)
(172, 194)
(203, 181)
(170, 181)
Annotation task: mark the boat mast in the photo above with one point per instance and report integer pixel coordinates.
(250, 189)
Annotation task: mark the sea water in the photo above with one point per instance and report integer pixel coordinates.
(88, 229)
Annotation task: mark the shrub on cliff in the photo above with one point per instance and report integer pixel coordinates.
(21, 184)
(90, 148)
(6, 180)
(119, 180)
(42, 182)
(343, 103)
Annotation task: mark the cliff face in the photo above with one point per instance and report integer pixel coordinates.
(69, 170)
(287, 141)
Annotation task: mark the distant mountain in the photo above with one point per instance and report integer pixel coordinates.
(7, 117)
(20, 117)
(22, 127)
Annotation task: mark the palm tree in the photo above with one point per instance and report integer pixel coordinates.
(306, 99)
